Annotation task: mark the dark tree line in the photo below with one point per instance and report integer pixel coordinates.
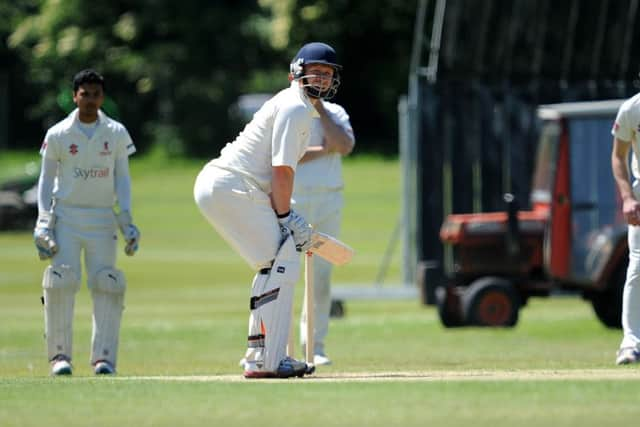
(174, 69)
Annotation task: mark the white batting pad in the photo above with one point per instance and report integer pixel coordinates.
(330, 248)
(60, 285)
(271, 301)
(107, 291)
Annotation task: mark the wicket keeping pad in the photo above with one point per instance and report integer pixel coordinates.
(330, 248)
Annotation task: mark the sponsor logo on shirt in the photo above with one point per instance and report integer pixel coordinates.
(73, 149)
(105, 149)
(93, 173)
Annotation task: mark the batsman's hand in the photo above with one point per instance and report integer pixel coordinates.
(130, 232)
(299, 228)
(44, 237)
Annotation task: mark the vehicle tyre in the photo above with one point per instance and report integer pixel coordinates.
(448, 303)
(491, 301)
(337, 309)
(608, 304)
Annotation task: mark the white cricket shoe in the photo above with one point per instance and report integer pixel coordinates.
(321, 360)
(287, 368)
(60, 365)
(627, 355)
(104, 367)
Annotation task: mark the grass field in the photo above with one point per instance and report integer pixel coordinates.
(184, 329)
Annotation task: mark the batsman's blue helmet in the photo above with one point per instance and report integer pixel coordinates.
(316, 53)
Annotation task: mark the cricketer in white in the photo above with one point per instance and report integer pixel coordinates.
(318, 196)
(245, 194)
(626, 140)
(85, 170)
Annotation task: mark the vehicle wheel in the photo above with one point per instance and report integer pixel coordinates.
(608, 304)
(337, 308)
(491, 301)
(448, 303)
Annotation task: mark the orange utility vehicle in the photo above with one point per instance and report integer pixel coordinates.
(572, 240)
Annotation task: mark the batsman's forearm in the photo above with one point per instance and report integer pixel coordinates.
(281, 188)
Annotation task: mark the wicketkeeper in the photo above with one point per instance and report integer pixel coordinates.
(85, 169)
(245, 194)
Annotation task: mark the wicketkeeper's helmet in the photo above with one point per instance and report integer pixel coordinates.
(316, 53)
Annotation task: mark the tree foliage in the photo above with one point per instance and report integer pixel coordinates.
(175, 68)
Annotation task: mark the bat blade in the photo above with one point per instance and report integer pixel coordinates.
(330, 248)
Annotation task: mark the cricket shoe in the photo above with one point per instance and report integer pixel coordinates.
(60, 365)
(103, 367)
(287, 368)
(321, 359)
(627, 355)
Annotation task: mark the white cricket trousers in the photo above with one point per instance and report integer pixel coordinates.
(240, 212)
(93, 230)
(631, 293)
(323, 210)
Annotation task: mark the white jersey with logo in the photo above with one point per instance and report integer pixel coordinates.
(85, 175)
(627, 128)
(325, 172)
(277, 135)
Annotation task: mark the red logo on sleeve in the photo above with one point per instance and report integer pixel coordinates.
(73, 149)
(44, 145)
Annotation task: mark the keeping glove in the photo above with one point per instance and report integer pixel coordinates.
(299, 228)
(129, 231)
(43, 235)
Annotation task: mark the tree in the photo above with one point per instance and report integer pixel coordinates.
(173, 68)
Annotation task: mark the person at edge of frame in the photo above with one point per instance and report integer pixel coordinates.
(626, 140)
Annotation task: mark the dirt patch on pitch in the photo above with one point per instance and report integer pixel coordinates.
(623, 373)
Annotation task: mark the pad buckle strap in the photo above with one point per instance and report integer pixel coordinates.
(263, 299)
(255, 341)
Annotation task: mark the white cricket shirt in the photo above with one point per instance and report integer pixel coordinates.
(277, 135)
(325, 172)
(85, 175)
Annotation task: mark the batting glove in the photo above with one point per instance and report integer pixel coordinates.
(299, 228)
(44, 237)
(129, 231)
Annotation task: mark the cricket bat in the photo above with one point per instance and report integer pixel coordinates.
(330, 248)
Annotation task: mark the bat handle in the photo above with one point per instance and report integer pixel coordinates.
(309, 306)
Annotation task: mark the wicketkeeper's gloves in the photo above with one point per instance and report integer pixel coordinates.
(129, 231)
(43, 235)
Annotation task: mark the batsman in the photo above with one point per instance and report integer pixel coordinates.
(85, 170)
(245, 194)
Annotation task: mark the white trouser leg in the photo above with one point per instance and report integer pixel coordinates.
(60, 290)
(108, 303)
(271, 305)
(322, 305)
(241, 213)
(631, 294)
(60, 285)
(324, 211)
(107, 285)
